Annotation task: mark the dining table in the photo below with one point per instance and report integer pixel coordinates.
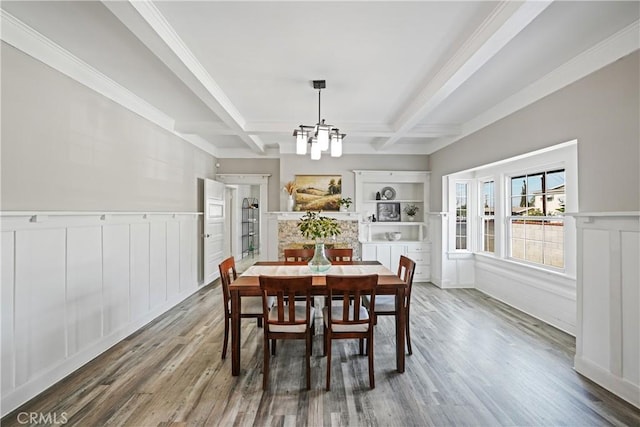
(248, 284)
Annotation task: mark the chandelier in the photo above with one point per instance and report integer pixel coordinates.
(319, 136)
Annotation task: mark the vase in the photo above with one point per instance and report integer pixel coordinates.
(290, 203)
(319, 263)
(411, 217)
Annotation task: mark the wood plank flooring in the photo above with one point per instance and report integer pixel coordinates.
(475, 362)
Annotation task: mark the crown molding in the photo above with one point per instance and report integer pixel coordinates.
(24, 38)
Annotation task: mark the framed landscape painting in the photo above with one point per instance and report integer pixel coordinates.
(318, 192)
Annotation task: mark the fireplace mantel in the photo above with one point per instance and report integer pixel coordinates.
(280, 234)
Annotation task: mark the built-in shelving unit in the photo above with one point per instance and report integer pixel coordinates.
(250, 226)
(386, 194)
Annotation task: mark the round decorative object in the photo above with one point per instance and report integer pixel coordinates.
(389, 193)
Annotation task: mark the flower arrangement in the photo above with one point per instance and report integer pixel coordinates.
(312, 225)
(290, 187)
(345, 202)
(411, 210)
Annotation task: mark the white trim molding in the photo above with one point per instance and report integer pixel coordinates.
(76, 283)
(608, 295)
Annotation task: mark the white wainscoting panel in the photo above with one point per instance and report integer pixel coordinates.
(84, 287)
(157, 263)
(115, 277)
(608, 323)
(76, 283)
(7, 355)
(39, 318)
(544, 295)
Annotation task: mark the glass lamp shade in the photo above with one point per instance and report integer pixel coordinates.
(316, 153)
(301, 142)
(323, 137)
(336, 145)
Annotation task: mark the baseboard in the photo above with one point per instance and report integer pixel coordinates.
(616, 385)
(49, 377)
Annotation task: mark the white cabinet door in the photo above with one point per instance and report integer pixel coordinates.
(396, 252)
(388, 254)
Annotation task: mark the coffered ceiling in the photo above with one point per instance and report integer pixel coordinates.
(234, 77)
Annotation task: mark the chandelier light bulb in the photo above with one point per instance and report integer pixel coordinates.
(336, 145)
(301, 142)
(316, 152)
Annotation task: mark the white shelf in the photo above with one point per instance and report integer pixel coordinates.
(393, 200)
(387, 223)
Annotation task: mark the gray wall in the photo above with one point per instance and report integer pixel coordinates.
(601, 111)
(66, 147)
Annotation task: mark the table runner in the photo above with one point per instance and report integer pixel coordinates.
(304, 270)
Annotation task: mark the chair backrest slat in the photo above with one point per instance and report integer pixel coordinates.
(227, 275)
(352, 289)
(406, 269)
(285, 288)
(339, 254)
(298, 255)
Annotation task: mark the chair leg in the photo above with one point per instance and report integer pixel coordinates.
(361, 345)
(406, 327)
(324, 341)
(273, 347)
(265, 365)
(372, 381)
(226, 337)
(328, 341)
(308, 356)
(259, 320)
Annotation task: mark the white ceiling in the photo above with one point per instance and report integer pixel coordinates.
(235, 77)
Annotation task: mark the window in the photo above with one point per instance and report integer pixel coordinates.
(487, 215)
(461, 215)
(537, 217)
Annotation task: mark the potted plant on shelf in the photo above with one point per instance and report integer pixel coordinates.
(345, 204)
(411, 211)
(314, 226)
(290, 187)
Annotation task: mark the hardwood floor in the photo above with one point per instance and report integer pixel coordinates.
(475, 361)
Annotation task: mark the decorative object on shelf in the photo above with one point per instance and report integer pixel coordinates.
(373, 218)
(394, 235)
(378, 196)
(290, 187)
(319, 135)
(388, 193)
(318, 192)
(411, 211)
(312, 225)
(388, 212)
(345, 204)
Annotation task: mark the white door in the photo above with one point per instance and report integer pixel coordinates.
(214, 216)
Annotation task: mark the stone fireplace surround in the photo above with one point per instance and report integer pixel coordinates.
(282, 232)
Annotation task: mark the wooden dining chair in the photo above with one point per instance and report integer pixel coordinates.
(285, 321)
(385, 305)
(339, 254)
(251, 307)
(350, 320)
(297, 256)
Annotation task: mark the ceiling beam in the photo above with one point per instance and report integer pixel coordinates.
(152, 29)
(506, 22)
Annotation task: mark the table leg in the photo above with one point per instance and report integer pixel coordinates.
(400, 331)
(235, 333)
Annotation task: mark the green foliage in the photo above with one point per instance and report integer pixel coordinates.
(411, 210)
(346, 202)
(312, 225)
